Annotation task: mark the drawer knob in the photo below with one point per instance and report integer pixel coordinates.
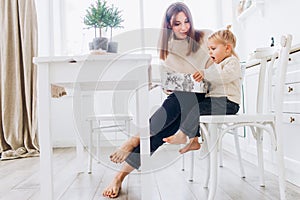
(290, 89)
(292, 119)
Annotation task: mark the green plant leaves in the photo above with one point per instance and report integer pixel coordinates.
(100, 15)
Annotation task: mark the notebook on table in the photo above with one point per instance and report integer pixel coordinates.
(175, 81)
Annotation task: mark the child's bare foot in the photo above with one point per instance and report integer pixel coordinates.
(178, 138)
(193, 145)
(113, 189)
(119, 155)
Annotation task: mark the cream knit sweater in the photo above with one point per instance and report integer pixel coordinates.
(178, 61)
(225, 79)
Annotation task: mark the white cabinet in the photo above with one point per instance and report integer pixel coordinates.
(292, 90)
(291, 116)
(291, 104)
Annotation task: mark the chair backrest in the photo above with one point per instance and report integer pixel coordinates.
(264, 56)
(278, 60)
(281, 69)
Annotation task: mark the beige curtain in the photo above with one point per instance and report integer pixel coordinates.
(18, 40)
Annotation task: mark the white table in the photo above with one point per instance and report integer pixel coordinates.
(91, 72)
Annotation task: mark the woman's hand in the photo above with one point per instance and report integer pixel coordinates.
(198, 76)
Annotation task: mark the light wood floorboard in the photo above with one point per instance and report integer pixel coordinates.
(20, 179)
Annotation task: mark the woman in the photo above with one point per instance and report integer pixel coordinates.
(182, 49)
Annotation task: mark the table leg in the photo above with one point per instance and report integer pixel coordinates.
(142, 114)
(45, 139)
(80, 146)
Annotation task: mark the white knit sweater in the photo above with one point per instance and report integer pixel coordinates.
(225, 79)
(178, 61)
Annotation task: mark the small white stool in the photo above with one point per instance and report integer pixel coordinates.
(95, 127)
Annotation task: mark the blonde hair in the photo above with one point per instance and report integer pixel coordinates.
(225, 37)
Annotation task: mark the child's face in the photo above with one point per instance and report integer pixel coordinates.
(217, 51)
(180, 26)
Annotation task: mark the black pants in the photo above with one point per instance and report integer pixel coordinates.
(209, 106)
(181, 110)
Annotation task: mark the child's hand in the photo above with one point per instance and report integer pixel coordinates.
(198, 76)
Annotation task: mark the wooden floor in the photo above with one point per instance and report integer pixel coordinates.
(20, 179)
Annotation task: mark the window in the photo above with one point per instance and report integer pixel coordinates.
(77, 36)
(71, 37)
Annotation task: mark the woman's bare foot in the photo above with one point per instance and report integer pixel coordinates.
(119, 155)
(193, 145)
(113, 189)
(178, 138)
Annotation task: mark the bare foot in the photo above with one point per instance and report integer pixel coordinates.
(178, 138)
(193, 145)
(113, 189)
(119, 155)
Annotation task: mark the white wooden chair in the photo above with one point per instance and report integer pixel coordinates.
(204, 153)
(258, 122)
(121, 123)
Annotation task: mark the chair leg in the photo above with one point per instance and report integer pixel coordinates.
(90, 160)
(212, 146)
(183, 162)
(207, 172)
(238, 152)
(281, 167)
(205, 149)
(220, 153)
(259, 144)
(98, 145)
(127, 128)
(191, 177)
(281, 174)
(98, 141)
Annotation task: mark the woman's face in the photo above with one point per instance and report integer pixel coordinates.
(181, 25)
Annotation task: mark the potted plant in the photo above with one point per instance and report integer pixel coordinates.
(113, 20)
(96, 17)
